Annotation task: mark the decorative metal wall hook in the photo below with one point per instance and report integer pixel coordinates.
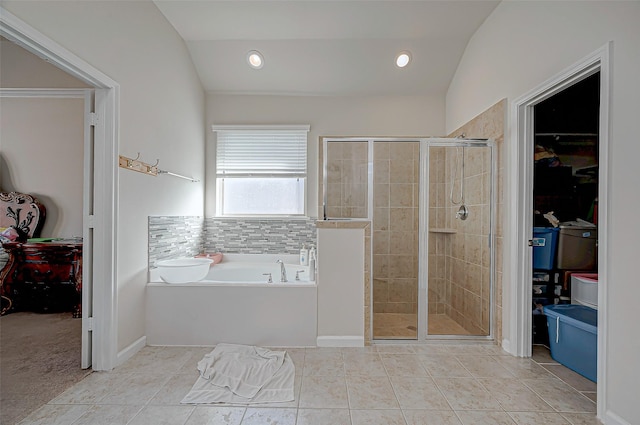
(151, 169)
(136, 165)
(131, 161)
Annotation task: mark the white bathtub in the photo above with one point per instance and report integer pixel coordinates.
(249, 270)
(234, 303)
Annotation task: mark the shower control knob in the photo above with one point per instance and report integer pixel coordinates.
(462, 213)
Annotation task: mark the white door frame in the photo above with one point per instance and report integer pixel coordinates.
(104, 218)
(518, 263)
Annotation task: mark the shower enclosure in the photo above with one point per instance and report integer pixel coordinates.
(430, 202)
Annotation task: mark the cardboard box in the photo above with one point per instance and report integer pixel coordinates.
(577, 247)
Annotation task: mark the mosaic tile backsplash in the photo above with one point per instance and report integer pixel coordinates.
(259, 236)
(187, 236)
(174, 237)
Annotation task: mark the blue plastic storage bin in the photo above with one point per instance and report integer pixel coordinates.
(545, 243)
(573, 337)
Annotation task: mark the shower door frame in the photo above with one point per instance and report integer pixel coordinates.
(423, 237)
(423, 271)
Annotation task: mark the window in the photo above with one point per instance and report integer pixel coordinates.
(261, 170)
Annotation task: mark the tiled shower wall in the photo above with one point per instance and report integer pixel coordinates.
(459, 283)
(175, 237)
(347, 179)
(259, 236)
(490, 125)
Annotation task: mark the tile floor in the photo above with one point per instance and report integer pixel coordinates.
(377, 385)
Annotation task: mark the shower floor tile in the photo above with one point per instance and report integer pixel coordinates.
(403, 326)
(439, 324)
(395, 326)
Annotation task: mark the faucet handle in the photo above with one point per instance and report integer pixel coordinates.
(270, 280)
(298, 274)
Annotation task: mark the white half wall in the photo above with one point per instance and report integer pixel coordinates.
(520, 46)
(328, 116)
(340, 287)
(161, 117)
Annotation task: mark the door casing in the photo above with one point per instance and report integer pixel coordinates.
(517, 253)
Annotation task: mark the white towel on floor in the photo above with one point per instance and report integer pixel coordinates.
(243, 374)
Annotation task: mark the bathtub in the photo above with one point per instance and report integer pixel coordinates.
(250, 270)
(235, 303)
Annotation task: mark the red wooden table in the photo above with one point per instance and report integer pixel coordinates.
(45, 277)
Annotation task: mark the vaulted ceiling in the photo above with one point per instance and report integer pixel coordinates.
(326, 47)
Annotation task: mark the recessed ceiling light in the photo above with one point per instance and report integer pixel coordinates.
(403, 59)
(255, 59)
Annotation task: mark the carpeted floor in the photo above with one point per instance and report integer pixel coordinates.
(39, 359)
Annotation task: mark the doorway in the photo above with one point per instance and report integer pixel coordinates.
(518, 256)
(52, 161)
(565, 199)
(99, 211)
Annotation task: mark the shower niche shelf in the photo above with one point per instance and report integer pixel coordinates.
(442, 230)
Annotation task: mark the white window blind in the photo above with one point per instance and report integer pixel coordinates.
(261, 170)
(261, 151)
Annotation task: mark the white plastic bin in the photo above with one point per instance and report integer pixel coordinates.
(584, 289)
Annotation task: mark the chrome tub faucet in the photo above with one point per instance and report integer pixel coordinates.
(283, 271)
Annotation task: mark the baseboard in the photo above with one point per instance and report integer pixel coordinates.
(340, 341)
(611, 418)
(506, 345)
(131, 350)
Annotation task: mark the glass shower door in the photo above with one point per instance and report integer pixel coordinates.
(459, 289)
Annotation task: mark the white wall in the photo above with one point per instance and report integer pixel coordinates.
(161, 116)
(41, 153)
(22, 69)
(41, 142)
(523, 44)
(327, 116)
